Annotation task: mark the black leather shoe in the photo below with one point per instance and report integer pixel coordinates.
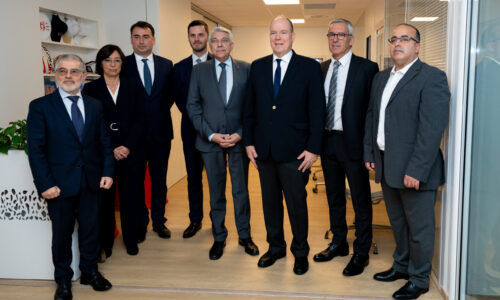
(216, 250)
(356, 265)
(301, 265)
(96, 280)
(141, 237)
(390, 275)
(332, 251)
(250, 247)
(63, 291)
(191, 230)
(162, 231)
(269, 258)
(132, 249)
(409, 291)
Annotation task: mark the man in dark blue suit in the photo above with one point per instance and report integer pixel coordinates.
(198, 37)
(154, 74)
(71, 158)
(283, 124)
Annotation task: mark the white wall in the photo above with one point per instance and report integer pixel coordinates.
(21, 74)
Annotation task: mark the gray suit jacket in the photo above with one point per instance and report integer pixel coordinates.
(207, 109)
(415, 119)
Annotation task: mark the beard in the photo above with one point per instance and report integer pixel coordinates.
(69, 87)
(201, 48)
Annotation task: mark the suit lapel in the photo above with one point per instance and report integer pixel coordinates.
(235, 71)
(268, 68)
(380, 89)
(156, 63)
(412, 72)
(88, 116)
(351, 76)
(291, 71)
(61, 111)
(213, 72)
(324, 68)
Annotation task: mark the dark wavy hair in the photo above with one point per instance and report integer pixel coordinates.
(106, 52)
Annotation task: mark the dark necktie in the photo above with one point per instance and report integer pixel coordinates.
(198, 60)
(223, 82)
(148, 82)
(76, 116)
(332, 92)
(277, 78)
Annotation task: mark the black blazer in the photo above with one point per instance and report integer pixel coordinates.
(125, 119)
(354, 105)
(284, 127)
(55, 153)
(182, 76)
(158, 121)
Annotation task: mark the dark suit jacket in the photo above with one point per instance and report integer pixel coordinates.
(182, 76)
(208, 110)
(127, 115)
(158, 121)
(55, 153)
(284, 127)
(415, 118)
(354, 105)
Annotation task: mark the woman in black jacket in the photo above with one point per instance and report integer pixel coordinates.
(124, 117)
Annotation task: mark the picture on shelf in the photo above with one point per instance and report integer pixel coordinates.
(49, 85)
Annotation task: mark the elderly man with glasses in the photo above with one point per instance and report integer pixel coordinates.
(71, 159)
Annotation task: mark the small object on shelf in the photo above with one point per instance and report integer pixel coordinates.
(45, 26)
(58, 28)
(73, 29)
(90, 66)
(77, 39)
(48, 66)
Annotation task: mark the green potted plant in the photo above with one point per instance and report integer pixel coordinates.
(13, 137)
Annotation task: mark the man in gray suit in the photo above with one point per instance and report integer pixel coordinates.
(214, 104)
(407, 115)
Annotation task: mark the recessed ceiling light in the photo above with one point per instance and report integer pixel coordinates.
(424, 19)
(297, 20)
(281, 2)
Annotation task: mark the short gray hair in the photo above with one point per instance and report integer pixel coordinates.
(221, 29)
(70, 57)
(350, 29)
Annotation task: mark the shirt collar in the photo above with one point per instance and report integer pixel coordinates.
(139, 58)
(286, 58)
(202, 58)
(344, 60)
(65, 95)
(228, 62)
(403, 70)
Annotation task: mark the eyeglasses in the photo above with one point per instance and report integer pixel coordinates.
(109, 61)
(72, 72)
(402, 39)
(216, 41)
(340, 36)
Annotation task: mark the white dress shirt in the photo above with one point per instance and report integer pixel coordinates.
(140, 67)
(68, 103)
(393, 81)
(203, 58)
(115, 94)
(285, 61)
(345, 62)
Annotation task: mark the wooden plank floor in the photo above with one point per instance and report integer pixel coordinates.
(180, 269)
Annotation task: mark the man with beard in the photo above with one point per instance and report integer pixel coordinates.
(71, 158)
(197, 37)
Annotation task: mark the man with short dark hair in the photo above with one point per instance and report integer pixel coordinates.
(154, 74)
(197, 37)
(407, 115)
(347, 83)
(71, 158)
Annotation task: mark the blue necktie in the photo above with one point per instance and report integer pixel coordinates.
(76, 116)
(148, 82)
(223, 82)
(277, 78)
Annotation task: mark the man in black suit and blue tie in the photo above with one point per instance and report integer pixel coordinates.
(283, 125)
(198, 37)
(347, 83)
(154, 73)
(71, 158)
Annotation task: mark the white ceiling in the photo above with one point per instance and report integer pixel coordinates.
(256, 13)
